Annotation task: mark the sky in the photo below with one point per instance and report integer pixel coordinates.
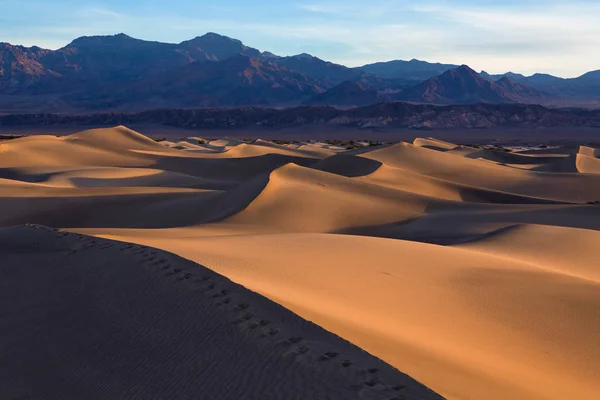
(560, 37)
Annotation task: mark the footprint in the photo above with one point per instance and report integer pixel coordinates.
(224, 302)
(257, 324)
(372, 382)
(271, 332)
(247, 317)
(346, 363)
(373, 370)
(241, 307)
(293, 340)
(222, 293)
(301, 350)
(397, 388)
(253, 325)
(185, 277)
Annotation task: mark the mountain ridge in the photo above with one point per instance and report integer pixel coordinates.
(465, 86)
(99, 72)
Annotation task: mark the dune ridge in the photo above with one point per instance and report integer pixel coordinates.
(470, 269)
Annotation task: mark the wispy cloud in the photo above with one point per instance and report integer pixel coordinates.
(555, 36)
(539, 33)
(349, 9)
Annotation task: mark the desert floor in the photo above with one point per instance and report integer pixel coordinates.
(472, 270)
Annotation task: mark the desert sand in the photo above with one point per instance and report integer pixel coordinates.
(138, 269)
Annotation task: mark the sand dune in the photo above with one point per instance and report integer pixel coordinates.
(333, 202)
(448, 316)
(572, 249)
(126, 321)
(588, 160)
(471, 270)
(479, 173)
(434, 143)
(589, 151)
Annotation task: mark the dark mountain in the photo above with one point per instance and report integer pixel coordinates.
(411, 70)
(514, 76)
(92, 61)
(585, 86)
(495, 77)
(592, 76)
(348, 94)
(328, 73)
(542, 80)
(119, 72)
(235, 81)
(216, 47)
(465, 86)
(20, 67)
(267, 55)
(519, 92)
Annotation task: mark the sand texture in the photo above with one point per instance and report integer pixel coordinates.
(191, 269)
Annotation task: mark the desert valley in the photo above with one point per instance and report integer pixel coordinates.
(325, 216)
(190, 269)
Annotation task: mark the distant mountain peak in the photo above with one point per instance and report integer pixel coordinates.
(466, 68)
(463, 85)
(410, 70)
(219, 47)
(101, 39)
(304, 55)
(211, 36)
(269, 55)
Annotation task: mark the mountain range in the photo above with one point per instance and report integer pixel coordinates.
(121, 73)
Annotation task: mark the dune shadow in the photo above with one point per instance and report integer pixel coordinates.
(347, 165)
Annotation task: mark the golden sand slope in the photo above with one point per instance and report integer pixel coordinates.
(472, 270)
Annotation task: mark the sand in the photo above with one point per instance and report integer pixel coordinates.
(473, 271)
(101, 319)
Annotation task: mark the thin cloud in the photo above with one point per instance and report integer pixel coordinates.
(526, 36)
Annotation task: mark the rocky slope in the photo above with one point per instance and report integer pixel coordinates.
(465, 86)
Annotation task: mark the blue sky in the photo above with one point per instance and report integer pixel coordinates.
(561, 37)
